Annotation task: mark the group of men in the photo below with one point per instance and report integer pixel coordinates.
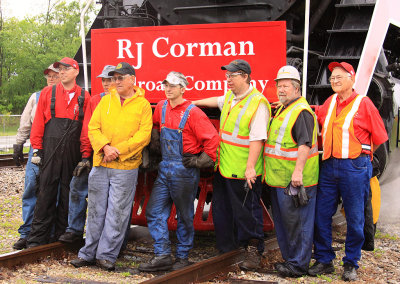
(252, 147)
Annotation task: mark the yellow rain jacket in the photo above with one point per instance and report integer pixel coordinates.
(127, 128)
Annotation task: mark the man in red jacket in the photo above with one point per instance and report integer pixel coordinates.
(55, 138)
(79, 183)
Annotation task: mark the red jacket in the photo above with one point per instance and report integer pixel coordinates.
(86, 147)
(198, 135)
(63, 109)
(367, 121)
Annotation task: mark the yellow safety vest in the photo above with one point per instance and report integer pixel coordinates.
(233, 150)
(281, 151)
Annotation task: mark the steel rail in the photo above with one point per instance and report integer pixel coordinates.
(208, 269)
(6, 160)
(31, 255)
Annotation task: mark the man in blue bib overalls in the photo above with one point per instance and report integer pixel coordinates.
(188, 142)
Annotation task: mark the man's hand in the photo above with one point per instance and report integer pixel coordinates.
(250, 175)
(194, 161)
(18, 155)
(82, 165)
(110, 153)
(297, 178)
(37, 157)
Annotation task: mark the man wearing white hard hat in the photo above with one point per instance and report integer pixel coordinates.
(291, 171)
(188, 142)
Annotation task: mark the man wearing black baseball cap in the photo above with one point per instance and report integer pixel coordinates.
(237, 215)
(119, 129)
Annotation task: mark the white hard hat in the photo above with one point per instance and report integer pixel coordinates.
(288, 72)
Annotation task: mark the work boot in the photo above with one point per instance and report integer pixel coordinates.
(319, 268)
(157, 263)
(105, 264)
(79, 262)
(285, 270)
(180, 263)
(349, 273)
(69, 237)
(32, 245)
(20, 244)
(252, 257)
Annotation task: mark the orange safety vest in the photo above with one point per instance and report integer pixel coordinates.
(338, 138)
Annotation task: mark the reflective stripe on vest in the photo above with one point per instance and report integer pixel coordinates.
(289, 154)
(233, 150)
(346, 131)
(281, 151)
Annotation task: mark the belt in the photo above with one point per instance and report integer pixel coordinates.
(364, 155)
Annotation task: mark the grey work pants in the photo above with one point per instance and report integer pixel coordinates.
(110, 197)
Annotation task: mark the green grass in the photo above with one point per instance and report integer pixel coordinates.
(380, 235)
(325, 277)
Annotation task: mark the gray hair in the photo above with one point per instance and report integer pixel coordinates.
(296, 84)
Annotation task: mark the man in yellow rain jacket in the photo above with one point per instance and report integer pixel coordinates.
(119, 130)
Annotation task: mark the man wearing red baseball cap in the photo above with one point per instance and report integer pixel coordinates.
(352, 130)
(55, 138)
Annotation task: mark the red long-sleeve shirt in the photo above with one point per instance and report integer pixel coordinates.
(86, 147)
(63, 109)
(198, 135)
(367, 121)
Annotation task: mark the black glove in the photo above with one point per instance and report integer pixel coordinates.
(18, 155)
(155, 146)
(37, 157)
(298, 194)
(194, 161)
(82, 165)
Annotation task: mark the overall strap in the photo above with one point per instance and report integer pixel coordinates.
(185, 117)
(164, 110)
(81, 101)
(53, 102)
(37, 96)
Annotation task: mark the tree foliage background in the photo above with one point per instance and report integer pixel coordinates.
(29, 46)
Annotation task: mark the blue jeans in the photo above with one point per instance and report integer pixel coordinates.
(294, 228)
(178, 185)
(349, 179)
(77, 203)
(110, 198)
(29, 196)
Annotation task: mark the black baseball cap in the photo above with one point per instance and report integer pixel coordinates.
(123, 68)
(237, 65)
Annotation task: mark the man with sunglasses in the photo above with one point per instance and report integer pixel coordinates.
(79, 182)
(55, 138)
(119, 129)
(32, 170)
(236, 208)
(188, 142)
(352, 130)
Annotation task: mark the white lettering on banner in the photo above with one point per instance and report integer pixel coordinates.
(207, 85)
(124, 45)
(206, 48)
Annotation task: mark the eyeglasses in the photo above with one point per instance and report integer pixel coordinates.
(229, 75)
(119, 78)
(337, 78)
(51, 77)
(62, 69)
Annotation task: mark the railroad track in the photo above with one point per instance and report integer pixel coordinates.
(199, 272)
(6, 160)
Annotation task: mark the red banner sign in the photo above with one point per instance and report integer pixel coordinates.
(198, 51)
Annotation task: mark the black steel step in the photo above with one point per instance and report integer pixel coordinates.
(325, 86)
(348, 31)
(355, 5)
(341, 58)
